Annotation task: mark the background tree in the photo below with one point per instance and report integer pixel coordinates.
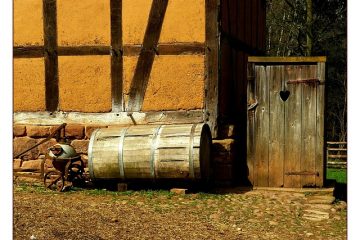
(315, 28)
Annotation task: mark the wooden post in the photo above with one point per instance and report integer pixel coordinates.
(116, 55)
(50, 56)
(212, 65)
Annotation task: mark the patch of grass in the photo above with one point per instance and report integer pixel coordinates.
(205, 196)
(340, 175)
(26, 187)
(155, 193)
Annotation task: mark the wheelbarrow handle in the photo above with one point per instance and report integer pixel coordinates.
(45, 140)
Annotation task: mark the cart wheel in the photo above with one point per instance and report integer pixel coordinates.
(76, 175)
(54, 180)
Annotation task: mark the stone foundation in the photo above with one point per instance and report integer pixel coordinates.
(26, 136)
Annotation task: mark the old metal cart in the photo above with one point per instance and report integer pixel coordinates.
(67, 167)
(68, 172)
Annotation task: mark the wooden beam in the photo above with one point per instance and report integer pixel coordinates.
(28, 51)
(116, 55)
(51, 60)
(121, 118)
(125, 50)
(83, 50)
(286, 59)
(147, 55)
(212, 65)
(168, 49)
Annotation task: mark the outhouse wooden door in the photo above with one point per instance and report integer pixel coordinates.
(285, 126)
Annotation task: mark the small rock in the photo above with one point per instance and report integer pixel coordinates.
(181, 191)
(321, 200)
(309, 234)
(319, 206)
(114, 220)
(122, 187)
(342, 205)
(32, 237)
(316, 212)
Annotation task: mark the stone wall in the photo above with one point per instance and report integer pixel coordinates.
(26, 136)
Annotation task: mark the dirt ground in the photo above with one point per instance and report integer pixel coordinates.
(159, 214)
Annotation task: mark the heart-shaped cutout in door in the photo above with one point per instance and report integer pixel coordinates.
(284, 95)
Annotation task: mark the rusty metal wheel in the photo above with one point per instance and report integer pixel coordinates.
(75, 174)
(54, 180)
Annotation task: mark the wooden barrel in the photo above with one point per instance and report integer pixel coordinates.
(151, 152)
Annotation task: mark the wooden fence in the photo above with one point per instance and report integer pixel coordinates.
(336, 154)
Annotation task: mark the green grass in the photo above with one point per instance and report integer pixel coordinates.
(339, 175)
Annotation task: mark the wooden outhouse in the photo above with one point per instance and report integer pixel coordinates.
(285, 129)
(100, 63)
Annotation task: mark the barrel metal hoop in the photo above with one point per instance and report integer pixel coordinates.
(152, 155)
(90, 155)
(191, 152)
(120, 152)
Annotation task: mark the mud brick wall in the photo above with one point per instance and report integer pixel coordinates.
(85, 82)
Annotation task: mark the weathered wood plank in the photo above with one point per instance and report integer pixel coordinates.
(261, 25)
(276, 126)
(337, 149)
(254, 23)
(122, 118)
(308, 146)
(336, 156)
(146, 58)
(320, 121)
(51, 60)
(262, 128)
(248, 26)
(251, 101)
(335, 143)
(316, 59)
(293, 126)
(116, 56)
(211, 65)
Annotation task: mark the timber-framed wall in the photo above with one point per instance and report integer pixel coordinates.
(112, 52)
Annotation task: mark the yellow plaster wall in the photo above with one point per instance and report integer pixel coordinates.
(176, 82)
(83, 22)
(28, 22)
(29, 84)
(84, 83)
(184, 21)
